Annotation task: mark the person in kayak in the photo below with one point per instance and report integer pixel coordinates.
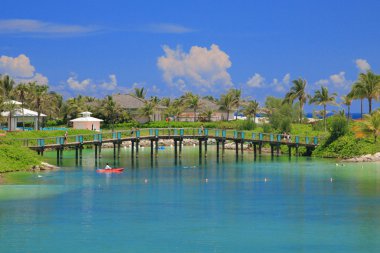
(107, 167)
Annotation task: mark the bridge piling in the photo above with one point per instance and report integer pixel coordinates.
(236, 149)
(217, 148)
(200, 147)
(180, 147)
(118, 149)
(96, 152)
(205, 147)
(151, 148)
(137, 148)
(133, 148)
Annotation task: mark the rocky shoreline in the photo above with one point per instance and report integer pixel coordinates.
(365, 158)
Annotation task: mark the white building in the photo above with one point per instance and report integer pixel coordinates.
(86, 122)
(20, 115)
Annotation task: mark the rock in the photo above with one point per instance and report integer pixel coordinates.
(47, 166)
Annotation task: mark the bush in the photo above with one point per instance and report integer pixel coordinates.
(338, 127)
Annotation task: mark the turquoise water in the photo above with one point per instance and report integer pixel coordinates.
(159, 205)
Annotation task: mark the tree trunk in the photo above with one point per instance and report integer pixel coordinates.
(195, 115)
(228, 114)
(301, 109)
(348, 113)
(361, 108)
(324, 117)
(369, 105)
(23, 117)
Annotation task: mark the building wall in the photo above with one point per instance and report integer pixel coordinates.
(87, 125)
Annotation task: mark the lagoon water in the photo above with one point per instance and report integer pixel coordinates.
(159, 205)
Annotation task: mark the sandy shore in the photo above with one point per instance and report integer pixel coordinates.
(365, 158)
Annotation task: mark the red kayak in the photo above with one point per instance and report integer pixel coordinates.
(113, 170)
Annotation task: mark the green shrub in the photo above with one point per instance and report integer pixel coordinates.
(337, 128)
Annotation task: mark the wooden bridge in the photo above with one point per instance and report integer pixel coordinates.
(221, 136)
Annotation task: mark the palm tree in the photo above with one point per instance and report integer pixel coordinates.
(322, 97)
(21, 92)
(369, 84)
(140, 92)
(165, 102)
(147, 110)
(109, 109)
(227, 101)
(6, 86)
(206, 115)
(192, 101)
(347, 101)
(251, 109)
(11, 107)
(371, 124)
(357, 92)
(39, 99)
(236, 93)
(297, 91)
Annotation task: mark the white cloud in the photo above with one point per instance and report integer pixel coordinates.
(155, 89)
(286, 78)
(77, 85)
(322, 82)
(166, 28)
(36, 27)
(256, 81)
(110, 85)
(202, 69)
(18, 66)
(362, 65)
(21, 70)
(338, 79)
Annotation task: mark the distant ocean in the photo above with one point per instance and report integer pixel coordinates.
(353, 115)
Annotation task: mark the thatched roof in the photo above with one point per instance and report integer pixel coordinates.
(128, 101)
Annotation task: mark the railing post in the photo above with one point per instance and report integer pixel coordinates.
(279, 137)
(235, 134)
(297, 139)
(181, 132)
(253, 136)
(157, 132)
(307, 140)
(271, 137)
(216, 133)
(224, 133)
(138, 134)
(315, 140)
(206, 132)
(260, 136)
(150, 132)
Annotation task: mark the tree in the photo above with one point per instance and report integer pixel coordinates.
(21, 92)
(251, 109)
(297, 91)
(322, 97)
(39, 96)
(371, 124)
(347, 101)
(369, 84)
(109, 110)
(6, 86)
(236, 94)
(192, 101)
(227, 101)
(10, 107)
(147, 110)
(206, 115)
(357, 92)
(140, 92)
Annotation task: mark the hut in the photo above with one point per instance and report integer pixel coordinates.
(86, 122)
(17, 116)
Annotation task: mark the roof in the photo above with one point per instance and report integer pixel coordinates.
(86, 119)
(206, 104)
(128, 101)
(12, 102)
(22, 112)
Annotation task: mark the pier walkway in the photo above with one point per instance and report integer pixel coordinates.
(257, 140)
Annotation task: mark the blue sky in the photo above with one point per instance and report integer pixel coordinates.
(104, 47)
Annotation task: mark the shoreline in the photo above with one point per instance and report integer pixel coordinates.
(364, 158)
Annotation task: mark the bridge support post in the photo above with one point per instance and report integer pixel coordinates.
(114, 150)
(278, 149)
(96, 151)
(175, 148)
(180, 147)
(118, 149)
(156, 147)
(217, 148)
(205, 147)
(290, 150)
(80, 152)
(254, 150)
(271, 150)
(100, 150)
(242, 147)
(76, 154)
(133, 148)
(223, 147)
(58, 155)
(137, 148)
(200, 147)
(297, 153)
(236, 149)
(260, 147)
(151, 148)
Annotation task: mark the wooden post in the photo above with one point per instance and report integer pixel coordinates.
(133, 148)
(100, 150)
(151, 148)
(297, 154)
(237, 149)
(156, 147)
(61, 153)
(175, 148)
(114, 149)
(137, 148)
(96, 151)
(260, 147)
(76, 153)
(205, 147)
(217, 148)
(278, 149)
(271, 150)
(242, 147)
(290, 150)
(223, 147)
(80, 151)
(57, 155)
(254, 150)
(118, 149)
(200, 147)
(180, 147)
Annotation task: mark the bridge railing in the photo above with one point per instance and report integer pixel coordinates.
(171, 132)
